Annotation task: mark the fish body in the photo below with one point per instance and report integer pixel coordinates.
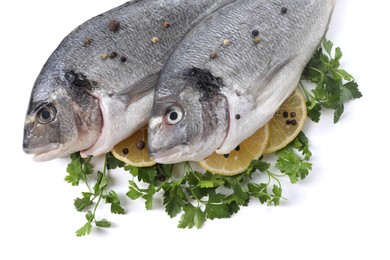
(231, 73)
(97, 87)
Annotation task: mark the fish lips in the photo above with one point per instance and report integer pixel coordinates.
(176, 154)
(45, 153)
(173, 155)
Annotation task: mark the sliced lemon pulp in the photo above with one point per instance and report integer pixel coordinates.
(239, 159)
(287, 122)
(133, 150)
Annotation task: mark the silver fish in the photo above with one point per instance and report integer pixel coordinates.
(97, 87)
(230, 75)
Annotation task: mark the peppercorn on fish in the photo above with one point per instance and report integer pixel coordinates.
(97, 87)
(230, 75)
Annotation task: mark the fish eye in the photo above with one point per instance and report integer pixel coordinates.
(46, 114)
(174, 115)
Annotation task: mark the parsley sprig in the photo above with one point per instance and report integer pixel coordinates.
(79, 170)
(333, 86)
(196, 196)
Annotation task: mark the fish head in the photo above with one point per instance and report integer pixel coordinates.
(187, 125)
(61, 118)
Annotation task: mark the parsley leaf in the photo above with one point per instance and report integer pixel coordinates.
(174, 200)
(193, 216)
(301, 144)
(277, 195)
(333, 86)
(258, 165)
(216, 207)
(144, 174)
(101, 182)
(240, 195)
(293, 165)
(84, 230)
(259, 191)
(164, 171)
(84, 202)
(104, 223)
(78, 169)
(209, 180)
(313, 110)
(113, 199)
(148, 196)
(113, 163)
(134, 192)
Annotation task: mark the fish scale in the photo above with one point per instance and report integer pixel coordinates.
(257, 70)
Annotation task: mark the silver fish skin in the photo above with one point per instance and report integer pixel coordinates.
(231, 73)
(97, 87)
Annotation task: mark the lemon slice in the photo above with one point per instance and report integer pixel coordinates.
(240, 158)
(133, 150)
(287, 122)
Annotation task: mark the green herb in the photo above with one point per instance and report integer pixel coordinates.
(333, 86)
(198, 196)
(78, 171)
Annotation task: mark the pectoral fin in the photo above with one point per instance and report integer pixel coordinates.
(140, 88)
(264, 78)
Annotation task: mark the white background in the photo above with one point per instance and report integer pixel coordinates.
(341, 211)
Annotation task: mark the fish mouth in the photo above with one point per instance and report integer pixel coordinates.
(168, 156)
(46, 153)
(176, 154)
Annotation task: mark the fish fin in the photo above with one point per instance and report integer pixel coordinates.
(266, 76)
(140, 88)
